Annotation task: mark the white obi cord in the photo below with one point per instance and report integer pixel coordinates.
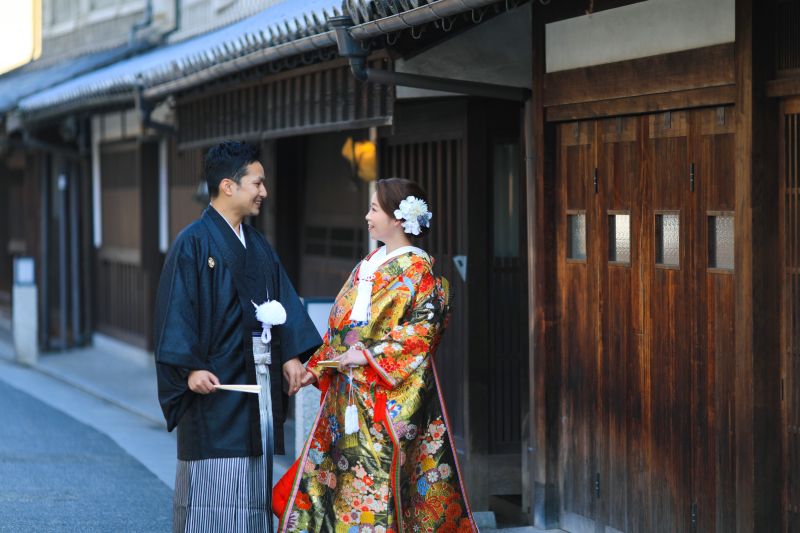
(366, 277)
(262, 360)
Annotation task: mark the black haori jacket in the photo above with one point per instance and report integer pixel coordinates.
(204, 320)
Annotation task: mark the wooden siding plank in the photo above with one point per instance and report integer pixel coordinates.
(710, 66)
(710, 96)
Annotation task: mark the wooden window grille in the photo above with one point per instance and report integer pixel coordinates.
(790, 343)
(788, 38)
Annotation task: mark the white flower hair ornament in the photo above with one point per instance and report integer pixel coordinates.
(414, 212)
(269, 314)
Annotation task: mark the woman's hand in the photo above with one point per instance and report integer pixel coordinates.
(350, 358)
(309, 379)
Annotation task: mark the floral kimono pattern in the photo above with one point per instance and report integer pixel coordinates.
(399, 471)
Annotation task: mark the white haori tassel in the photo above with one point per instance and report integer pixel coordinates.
(270, 314)
(351, 412)
(350, 419)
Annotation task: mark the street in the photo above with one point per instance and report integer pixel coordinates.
(60, 475)
(70, 462)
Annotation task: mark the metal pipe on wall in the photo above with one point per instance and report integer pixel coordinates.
(419, 81)
(63, 253)
(75, 251)
(44, 294)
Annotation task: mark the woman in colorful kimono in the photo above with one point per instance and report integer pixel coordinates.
(380, 457)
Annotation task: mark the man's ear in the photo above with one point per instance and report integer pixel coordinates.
(226, 186)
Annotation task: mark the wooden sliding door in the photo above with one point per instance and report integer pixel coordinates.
(645, 313)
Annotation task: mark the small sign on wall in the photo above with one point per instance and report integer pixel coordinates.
(24, 271)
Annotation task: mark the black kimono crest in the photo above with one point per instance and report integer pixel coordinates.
(204, 321)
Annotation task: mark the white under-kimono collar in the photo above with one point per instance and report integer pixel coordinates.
(366, 276)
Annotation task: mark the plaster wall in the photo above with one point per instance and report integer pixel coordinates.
(638, 30)
(496, 51)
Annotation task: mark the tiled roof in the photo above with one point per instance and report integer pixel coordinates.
(33, 77)
(287, 22)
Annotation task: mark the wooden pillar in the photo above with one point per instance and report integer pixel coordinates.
(544, 376)
(152, 258)
(478, 257)
(757, 268)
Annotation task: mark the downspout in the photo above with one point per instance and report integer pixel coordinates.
(144, 108)
(177, 21)
(352, 49)
(145, 22)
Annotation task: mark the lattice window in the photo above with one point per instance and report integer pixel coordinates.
(339, 243)
(788, 25)
(791, 320)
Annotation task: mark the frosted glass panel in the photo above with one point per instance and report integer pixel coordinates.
(576, 229)
(505, 180)
(619, 238)
(720, 242)
(668, 239)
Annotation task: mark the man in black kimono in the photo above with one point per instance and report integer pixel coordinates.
(204, 326)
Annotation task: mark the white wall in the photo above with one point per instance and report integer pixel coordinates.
(496, 51)
(638, 30)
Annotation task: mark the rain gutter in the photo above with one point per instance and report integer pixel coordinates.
(437, 10)
(126, 99)
(311, 43)
(350, 48)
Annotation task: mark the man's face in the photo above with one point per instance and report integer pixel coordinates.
(248, 195)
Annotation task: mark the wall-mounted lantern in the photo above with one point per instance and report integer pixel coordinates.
(361, 155)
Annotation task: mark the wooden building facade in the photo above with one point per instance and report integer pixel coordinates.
(661, 216)
(623, 350)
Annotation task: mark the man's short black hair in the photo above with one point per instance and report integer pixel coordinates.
(228, 160)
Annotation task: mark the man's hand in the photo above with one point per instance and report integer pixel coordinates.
(293, 372)
(308, 379)
(202, 381)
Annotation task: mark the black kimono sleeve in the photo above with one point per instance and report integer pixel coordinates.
(178, 345)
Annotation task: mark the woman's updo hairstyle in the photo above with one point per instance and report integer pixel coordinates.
(392, 191)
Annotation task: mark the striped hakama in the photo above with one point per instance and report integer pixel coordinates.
(233, 494)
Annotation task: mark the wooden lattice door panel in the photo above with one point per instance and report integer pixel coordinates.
(790, 342)
(622, 447)
(713, 339)
(668, 326)
(576, 310)
(128, 262)
(438, 167)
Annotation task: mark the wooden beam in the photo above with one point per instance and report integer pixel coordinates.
(710, 66)
(710, 96)
(757, 264)
(783, 87)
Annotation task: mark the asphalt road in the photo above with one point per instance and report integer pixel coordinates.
(59, 475)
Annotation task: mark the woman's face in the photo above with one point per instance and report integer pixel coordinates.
(379, 223)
